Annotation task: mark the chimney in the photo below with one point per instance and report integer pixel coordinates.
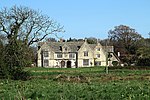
(118, 54)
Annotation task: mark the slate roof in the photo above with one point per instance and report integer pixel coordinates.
(92, 46)
(74, 46)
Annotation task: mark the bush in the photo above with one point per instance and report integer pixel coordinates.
(13, 54)
(143, 62)
(16, 73)
(130, 67)
(4, 73)
(20, 74)
(115, 63)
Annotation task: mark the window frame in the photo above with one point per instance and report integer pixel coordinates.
(85, 62)
(59, 55)
(45, 54)
(65, 49)
(98, 63)
(71, 55)
(98, 55)
(86, 54)
(46, 63)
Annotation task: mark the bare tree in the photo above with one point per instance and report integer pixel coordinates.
(22, 27)
(125, 37)
(126, 40)
(27, 25)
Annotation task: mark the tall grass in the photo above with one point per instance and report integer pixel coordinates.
(79, 84)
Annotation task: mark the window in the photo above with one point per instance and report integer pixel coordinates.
(46, 62)
(59, 55)
(71, 55)
(97, 63)
(60, 48)
(65, 48)
(98, 49)
(78, 47)
(98, 55)
(85, 53)
(85, 62)
(45, 53)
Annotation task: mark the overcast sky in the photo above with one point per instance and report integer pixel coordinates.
(91, 18)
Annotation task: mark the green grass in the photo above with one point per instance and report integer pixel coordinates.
(79, 84)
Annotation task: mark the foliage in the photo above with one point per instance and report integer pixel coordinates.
(72, 40)
(118, 84)
(140, 68)
(20, 74)
(92, 40)
(125, 36)
(51, 40)
(3, 70)
(143, 55)
(26, 24)
(115, 63)
(22, 27)
(126, 41)
(143, 52)
(14, 57)
(143, 62)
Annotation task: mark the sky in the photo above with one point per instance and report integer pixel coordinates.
(91, 18)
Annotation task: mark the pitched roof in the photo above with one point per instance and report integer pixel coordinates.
(108, 48)
(74, 46)
(92, 46)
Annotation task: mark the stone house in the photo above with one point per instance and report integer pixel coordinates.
(74, 54)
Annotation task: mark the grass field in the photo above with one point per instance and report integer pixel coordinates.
(79, 84)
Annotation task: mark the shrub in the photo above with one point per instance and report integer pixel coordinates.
(15, 73)
(115, 63)
(143, 62)
(4, 73)
(15, 53)
(20, 74)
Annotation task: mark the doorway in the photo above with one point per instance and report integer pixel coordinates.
(68, 64)
(62, 64)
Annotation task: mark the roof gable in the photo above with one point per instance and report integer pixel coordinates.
(72, 46)
(85, 46)
(66, 48)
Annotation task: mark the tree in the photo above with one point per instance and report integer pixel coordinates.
(126, 40)
(51, 40)
(143, 54)
(23, 27)
(25, 24)
(92, 40)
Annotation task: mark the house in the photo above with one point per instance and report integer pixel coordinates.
(74, 54)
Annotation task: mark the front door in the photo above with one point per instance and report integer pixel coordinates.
(62, 64)
(68, 64)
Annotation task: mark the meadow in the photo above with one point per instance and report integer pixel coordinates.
(79, 84)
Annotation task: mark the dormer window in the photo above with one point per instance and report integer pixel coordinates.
(98, 55)
(45, 53)
(65, 48)
(78, 47)
(98, 49)
(85, 53)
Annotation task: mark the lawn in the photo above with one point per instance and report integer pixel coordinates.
(79, 84)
